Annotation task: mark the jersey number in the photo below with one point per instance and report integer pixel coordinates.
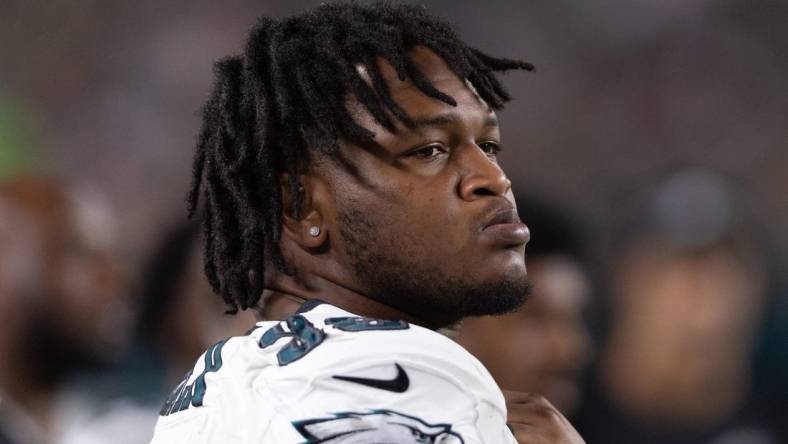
(306, 337)
(186, 395)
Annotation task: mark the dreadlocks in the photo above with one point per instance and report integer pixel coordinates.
(285, 97)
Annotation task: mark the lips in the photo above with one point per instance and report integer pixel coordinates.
(503, 217)
(504, 228)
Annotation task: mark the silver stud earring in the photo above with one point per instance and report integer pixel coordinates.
(314, 231)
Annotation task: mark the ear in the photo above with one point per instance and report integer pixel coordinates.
(302, 211)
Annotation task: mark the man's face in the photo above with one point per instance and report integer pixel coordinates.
(426, 220)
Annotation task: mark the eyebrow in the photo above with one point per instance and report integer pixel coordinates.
(448, 119)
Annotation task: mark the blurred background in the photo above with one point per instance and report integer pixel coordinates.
(655, 131)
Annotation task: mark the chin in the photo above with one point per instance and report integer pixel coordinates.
(508, 258)
(500, 294)
(508, 270)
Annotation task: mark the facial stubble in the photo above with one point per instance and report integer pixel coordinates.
(396, 275)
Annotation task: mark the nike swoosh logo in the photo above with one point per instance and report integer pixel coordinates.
(397, 385)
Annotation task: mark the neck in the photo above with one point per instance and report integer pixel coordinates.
(286, 294)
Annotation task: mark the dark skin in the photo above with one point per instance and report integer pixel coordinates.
(432, 197)
(534, 420)
(440, 183)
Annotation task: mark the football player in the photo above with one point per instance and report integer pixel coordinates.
(348, 167)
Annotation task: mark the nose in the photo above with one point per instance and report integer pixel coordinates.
(482, 176)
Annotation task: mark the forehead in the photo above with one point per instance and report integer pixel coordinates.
(418, 105)
(430, 65)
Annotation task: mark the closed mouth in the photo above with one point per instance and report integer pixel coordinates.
(503, 217)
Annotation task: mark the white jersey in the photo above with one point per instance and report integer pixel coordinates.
(328, 376)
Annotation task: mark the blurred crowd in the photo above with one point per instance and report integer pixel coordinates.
(649, 158)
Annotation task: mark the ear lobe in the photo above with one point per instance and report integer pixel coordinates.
(302, 220)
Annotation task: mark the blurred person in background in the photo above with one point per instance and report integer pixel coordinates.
(178, 318)
(688, 297)
(63, 306)
(543, 347)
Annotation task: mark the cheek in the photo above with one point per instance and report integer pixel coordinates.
(419, 220)
(437, 222)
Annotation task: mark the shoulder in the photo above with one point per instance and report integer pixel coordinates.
(327, 338)
(321, 355)
(216, 396)
(321, 343)
(328, 360)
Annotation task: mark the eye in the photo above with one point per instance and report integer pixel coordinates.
(428, 152)
(490, 148)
